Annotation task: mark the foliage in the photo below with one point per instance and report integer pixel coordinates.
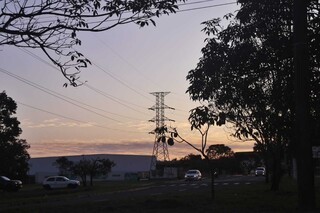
(247, 71)
(53, 25)
(228, 164)
(218, 151)
(191, 161)
(191, 157)
(82, 169)
(201, 119)
(64, 165)
(13, 151)
(248, 161)
(85, 167)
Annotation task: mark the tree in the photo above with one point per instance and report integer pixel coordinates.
(201, 119)
(99, 167)
(53, 25)
(13, 151)
(191, 157)
(222, 158)
(64, 165)
(247, 71)
(85, 167)
(218, 151)
(82, 169)
(230, 75)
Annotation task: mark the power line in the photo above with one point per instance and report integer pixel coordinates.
(128, 63)
(189, 3)
(115, 100)
(104, 94)
(121, 82)
(61, 116)
(52, 93)
(206, 7)
(178, 11)
(73, 119)
(194, 2)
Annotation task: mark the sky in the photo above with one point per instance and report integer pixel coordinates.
(109, 114)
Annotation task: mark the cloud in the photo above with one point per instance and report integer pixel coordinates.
(141, 126)
(101, 146)
(74, 147)
(80, 141)
(98, 146)
(56, 123)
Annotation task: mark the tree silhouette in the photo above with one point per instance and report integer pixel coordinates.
(218, 151)
(64, 165)
(13, 151)
(247, 71)
(85, 167)
(53, 25)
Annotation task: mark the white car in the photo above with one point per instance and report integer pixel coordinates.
(193, 174)
(55, 182)
(260, 171)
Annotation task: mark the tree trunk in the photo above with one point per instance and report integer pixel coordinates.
(211, 168)
(276, 170)
(306, 191)
(91, 180)
(84, 180)
(267, 166)
(212, 183)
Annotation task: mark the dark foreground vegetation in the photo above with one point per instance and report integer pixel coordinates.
(242, 198)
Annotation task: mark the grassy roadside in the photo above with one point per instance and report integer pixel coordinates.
(242, 198)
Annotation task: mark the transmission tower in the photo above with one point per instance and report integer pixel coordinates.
(160, 148)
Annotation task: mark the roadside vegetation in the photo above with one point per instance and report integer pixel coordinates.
(242, 198)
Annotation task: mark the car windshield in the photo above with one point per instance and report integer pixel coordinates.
(261, 168)
(191, 172)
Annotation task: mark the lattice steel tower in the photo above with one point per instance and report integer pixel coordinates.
(160, 148)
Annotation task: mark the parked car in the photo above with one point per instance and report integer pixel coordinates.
(55, 182)
(193, 174)
(260, 171)
(10, 185)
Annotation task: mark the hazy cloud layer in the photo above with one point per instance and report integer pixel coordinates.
(74, 147)
(56, 122)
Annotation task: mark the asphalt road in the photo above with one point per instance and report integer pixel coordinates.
(178, 186)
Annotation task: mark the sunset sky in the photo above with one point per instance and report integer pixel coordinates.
(109, 114)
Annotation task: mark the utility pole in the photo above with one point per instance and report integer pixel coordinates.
(303, 146)
(160, 147)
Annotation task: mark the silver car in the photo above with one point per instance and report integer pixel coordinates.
(260, 171)
(193, 174)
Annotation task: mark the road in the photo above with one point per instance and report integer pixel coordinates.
(178, 186)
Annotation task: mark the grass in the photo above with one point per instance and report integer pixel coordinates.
(242, 198)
